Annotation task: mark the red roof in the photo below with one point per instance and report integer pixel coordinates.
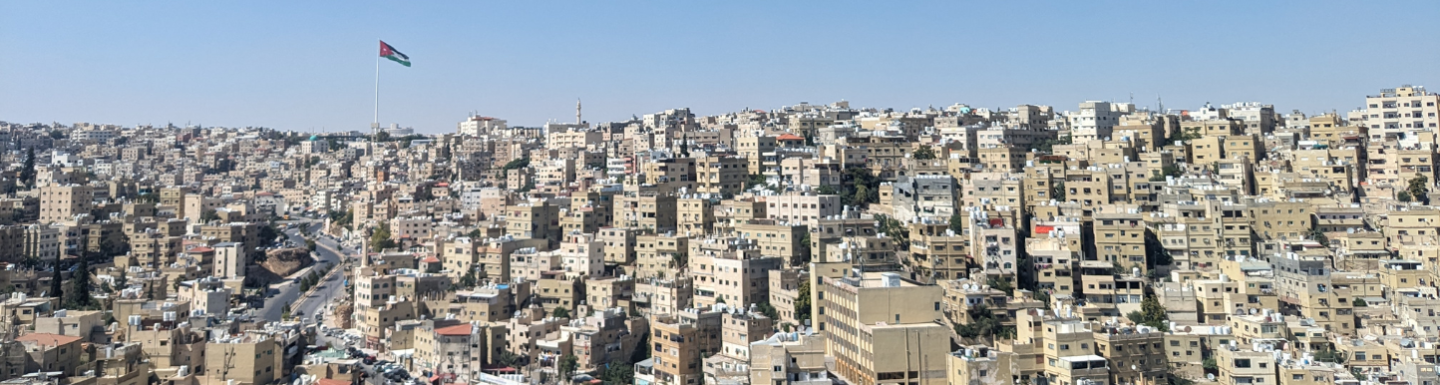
(331, 381)
(457, 330)
(200, 250)
(430, 259)
(789, 137)
(50, 339)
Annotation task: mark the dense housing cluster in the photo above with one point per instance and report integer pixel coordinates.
(807, 245)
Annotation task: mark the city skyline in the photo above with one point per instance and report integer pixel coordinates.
(308, 67)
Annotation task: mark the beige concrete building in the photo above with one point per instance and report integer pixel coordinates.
(882, 328)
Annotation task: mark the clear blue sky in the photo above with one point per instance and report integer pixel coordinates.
(303, 65)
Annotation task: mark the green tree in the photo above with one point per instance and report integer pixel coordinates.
(470, 279)
(310, 244)
(517, 163)
(80, 285)
(121, 281)
(1048, 145)
(755, 180)
(802, 253)
(859, 187)
(209, 216)
(568, 364)
(508, 358)
(924, 153)
(1319, 236)
(616, 374)
(802, 301)
(561, 312)
(826, 190)
(895, 229)
(957, 223)
(268, 233)
(380, 238)
(56, 282)
(1185, 136)
(1419, 189)
(768, 310)
(1058, 192)
(27, 171)
(1001, 284)
(1153, 314)
(1359, 302)
(1403, 196)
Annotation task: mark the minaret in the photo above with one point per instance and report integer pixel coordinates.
(577, 111)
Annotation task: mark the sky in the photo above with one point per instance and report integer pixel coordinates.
(310, 66)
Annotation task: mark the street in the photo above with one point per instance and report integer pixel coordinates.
(290, 291)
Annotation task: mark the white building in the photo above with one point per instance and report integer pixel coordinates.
(1095, 120)
(1396, 111)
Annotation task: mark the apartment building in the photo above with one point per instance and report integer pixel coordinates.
(874, 319)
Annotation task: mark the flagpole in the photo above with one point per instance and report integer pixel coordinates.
(376, 123)
(375, 126)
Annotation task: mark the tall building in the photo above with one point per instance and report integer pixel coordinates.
(1396, 111)
(882, 328)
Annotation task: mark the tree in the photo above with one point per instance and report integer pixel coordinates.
(380, 238)
(268, 233)
(924, 153)
(470, 279)
(894, 228)
(507, 358)
(802, 301)
(957, 223)
(768, 310)
(983, 324)
(121, 281)
(57, 134)
(27, 172)
(826, 190)
(1058, 191)
(1319, 236)
(1419, 189)
(1403, 196)
(517, 163)
(1048, 145)
(1360, 302)
(1209, 364)
(1000, 284)
(802, 253)
(568, 364)
(209, 216)
(1185, 136)
(755, 180)
(1152, 314)
(310, 244)
(616, 374)
(561, 312)
(859, 187)
(80, 285)
(55, 283)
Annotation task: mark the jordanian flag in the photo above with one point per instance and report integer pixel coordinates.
(388, 52)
